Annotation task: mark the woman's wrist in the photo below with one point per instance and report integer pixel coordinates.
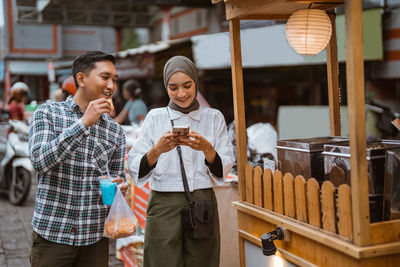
(209, 154)
(152, 156)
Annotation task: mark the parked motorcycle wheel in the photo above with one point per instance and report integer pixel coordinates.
(20, 187)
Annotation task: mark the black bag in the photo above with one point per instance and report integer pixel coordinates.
(199, 217)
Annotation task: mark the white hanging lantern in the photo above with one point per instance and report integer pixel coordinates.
(308, 31)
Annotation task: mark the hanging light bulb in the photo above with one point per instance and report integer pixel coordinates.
(308, 31)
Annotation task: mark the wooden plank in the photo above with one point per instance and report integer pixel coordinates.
(356, 111)
(238, 104)
(317, 1)
(242, 252)
(235, 9)
(258, 189)
(298, 261)
(249, 184)
(345, 225)
(313, 204)
(278, 192)
(333, 80)
(266, 17)
(296, 228)
(328, 206)
(238, 9)
(385, 232)
(382, 249)
(288, 195)
(301, 201)
(267, 184)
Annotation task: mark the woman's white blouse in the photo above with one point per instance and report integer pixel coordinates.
(166, 176)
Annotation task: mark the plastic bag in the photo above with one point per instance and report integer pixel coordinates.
(262, 139)
(120, 222)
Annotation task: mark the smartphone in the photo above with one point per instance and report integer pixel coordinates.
(181, 130)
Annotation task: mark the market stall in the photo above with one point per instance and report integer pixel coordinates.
(319, 223)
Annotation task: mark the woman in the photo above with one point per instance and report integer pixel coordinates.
(135, 109)
(207, 156)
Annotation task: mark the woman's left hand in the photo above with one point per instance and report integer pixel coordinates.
(195, 141)
(124, 186)
(198, 142)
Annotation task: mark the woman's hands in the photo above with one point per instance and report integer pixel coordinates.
(167, 142)
(197, 142)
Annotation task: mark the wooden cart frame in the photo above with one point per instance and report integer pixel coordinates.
(324, 230)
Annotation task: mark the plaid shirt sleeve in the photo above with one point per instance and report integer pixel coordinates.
(46, 149)
(117, 164)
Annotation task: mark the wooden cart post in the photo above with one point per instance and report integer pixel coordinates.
(332, 71)
(238, 103)
(356, 106)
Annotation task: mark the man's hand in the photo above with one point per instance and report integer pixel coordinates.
(124, 186)
(94, 111)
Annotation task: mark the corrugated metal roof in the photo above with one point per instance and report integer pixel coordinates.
(151, 48)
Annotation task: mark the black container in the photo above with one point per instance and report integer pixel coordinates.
(304, 156)
(337, 170)
(392, 185)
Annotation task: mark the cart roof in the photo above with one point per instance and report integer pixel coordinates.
(271, 9)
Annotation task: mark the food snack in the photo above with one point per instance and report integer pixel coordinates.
(125, 227)
(111, 103)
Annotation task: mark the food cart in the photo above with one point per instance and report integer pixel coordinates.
(319, 227)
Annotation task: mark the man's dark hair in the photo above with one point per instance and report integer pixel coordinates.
(132, 86)
(86, 62)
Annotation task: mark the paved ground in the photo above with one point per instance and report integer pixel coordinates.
(16, 231)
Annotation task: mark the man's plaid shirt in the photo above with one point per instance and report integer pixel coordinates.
(69, 159)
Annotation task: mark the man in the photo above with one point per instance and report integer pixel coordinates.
(71, 144)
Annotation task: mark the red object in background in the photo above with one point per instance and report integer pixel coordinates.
(140, 204)
(69, 85)
(15, 111)
(128, 258)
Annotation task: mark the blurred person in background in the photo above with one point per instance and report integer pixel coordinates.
(68, 87)
(58, 95)
(135, 109)
(119, 104)
(16, 105)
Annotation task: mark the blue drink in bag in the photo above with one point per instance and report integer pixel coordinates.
(108, 190)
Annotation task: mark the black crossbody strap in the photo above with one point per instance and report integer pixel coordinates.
(184, 178)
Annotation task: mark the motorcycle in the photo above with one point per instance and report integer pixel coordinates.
(16, 170)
